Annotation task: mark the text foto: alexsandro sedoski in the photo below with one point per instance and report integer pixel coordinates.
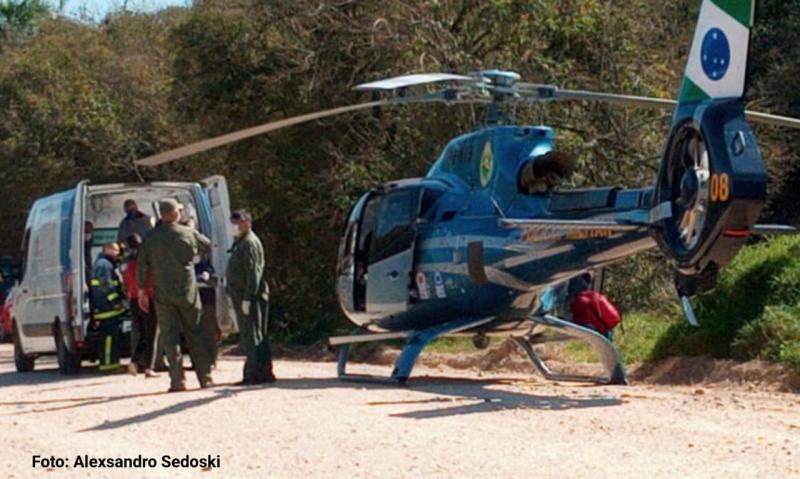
(137, 462)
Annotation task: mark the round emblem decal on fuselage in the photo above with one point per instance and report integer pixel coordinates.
(487, 164)
(715, 54)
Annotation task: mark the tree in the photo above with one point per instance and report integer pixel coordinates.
(20, 17)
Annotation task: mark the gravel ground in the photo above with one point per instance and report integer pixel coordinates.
(448, 423)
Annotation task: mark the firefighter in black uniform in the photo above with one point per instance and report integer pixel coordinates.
(107, 306)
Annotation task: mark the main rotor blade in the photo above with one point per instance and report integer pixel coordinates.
(529, 93)
(218, 141)
(415, 79)
(641, 101)
(663, 103)
(774, 120)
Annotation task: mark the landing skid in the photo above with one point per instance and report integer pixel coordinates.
(608, 354)
(416, 341)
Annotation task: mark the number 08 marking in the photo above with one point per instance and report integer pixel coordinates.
(720, 187)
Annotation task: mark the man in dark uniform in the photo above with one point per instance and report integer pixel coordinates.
(135, 222)
(248, 288)
(107, 307)
(204, 273)
(168, 254)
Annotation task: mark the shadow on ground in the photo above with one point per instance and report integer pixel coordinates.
(49, 374)
(459, 396)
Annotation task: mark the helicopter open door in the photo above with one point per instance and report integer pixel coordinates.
(388, 235)
(222, 234)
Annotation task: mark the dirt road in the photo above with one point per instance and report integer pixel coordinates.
(310, 425)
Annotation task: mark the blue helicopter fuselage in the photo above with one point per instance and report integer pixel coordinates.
(422, 252)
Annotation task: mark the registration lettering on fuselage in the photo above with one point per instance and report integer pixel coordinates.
(554, 234)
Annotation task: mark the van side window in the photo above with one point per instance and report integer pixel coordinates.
(24, 254)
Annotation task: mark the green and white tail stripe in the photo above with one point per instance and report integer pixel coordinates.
(717, 65)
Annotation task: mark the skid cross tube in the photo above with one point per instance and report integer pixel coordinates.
(609, 356)
(416, 341)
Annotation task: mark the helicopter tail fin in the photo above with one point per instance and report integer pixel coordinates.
(717, 66)
(712, 176)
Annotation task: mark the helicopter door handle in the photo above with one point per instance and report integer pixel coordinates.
(394, 275)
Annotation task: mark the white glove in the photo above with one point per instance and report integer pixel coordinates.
(246, 308)
(205, 276)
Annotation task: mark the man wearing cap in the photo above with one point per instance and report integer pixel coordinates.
(248, 288)
(168, 254)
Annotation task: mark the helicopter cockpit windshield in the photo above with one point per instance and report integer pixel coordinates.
(545, 173)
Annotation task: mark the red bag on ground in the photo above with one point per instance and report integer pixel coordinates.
(596, 311)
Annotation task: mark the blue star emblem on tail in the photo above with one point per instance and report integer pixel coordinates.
(715, 54)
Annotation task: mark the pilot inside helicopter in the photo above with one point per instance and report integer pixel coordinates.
(545, 173)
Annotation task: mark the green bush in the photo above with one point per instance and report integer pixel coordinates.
(774, 335)
(636, 338)
(753, 313)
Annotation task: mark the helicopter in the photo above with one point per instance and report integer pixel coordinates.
(488, 244)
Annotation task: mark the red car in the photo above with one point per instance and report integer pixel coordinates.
(5, 317)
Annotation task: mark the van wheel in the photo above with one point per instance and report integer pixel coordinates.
(23, 362)
(69, 363)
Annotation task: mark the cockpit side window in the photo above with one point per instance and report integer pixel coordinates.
(396, 217)
(369, 221)
(427, 210)
(346, 249)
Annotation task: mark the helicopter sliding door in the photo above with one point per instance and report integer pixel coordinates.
(388, 234)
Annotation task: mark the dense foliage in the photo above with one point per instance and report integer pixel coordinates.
(83, 101)
(753, 313)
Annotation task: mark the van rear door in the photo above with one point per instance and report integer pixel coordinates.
(41, 299)
(216, 189)
(77, 280)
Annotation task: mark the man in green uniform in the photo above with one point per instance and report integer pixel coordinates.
(248, 288)
(168, 254)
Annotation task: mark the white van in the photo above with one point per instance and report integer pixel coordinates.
(51, 312)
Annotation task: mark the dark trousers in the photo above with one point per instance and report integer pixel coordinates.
(176, 316)
(108, 342)
(253, 339)
(143, 337)
(212, 332)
